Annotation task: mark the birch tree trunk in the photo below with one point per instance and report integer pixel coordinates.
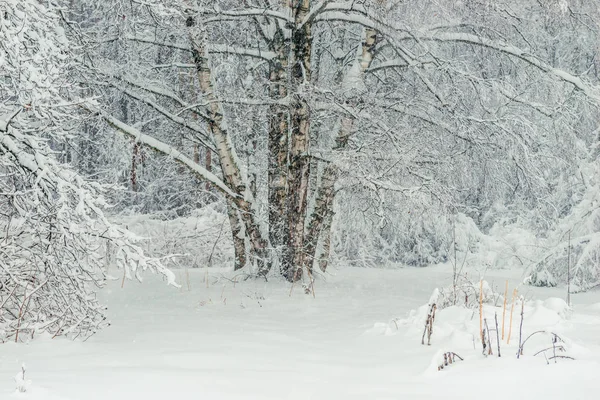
(326, 240)
(237, 233)
(278, 146)
(229, 164)
(299, 162)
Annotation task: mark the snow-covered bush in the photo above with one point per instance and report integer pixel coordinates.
(389, 229)
(466, 293)
(198, 240)
(573, 248)
(51, 220)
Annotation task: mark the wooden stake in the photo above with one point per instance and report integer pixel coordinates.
(512, 309)
(520, 351)
(504, 309)
(498, 333)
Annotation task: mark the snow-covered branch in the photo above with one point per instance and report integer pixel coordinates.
(165, 149)
(445, 37)
(212, 16)
(201, 133)
(240, 51)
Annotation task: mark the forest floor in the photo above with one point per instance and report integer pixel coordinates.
(356, 339)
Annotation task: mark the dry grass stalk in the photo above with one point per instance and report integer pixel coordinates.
(553, 348)
(429, 325)
(481, 308)
(555, 357)
(449, 358)
(123, 280)
(555, 339)
(483, 343)
(22, 310)
(520, 351)
(498, 333)
(489, 338)
(187, 279)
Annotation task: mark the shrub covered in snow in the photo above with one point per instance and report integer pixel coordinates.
(51, 220)
(573, 250)
(467, 293)
(198, 240)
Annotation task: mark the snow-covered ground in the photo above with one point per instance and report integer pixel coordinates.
(254, 341)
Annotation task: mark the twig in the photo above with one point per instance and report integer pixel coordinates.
(9, 296)
(497, 333)
(483, 343)
(123, 280)
(25, 297)
(212, 252)
(489, 337)
(429, 325)
(520, 350)
(481, 308)
(553, 357)
(554, 337)
(559, 348)
(449, 358)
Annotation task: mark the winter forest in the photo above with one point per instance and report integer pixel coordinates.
(261, 199)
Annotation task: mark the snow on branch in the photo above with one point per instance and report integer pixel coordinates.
(358, 15)
(5, 120)
(167, 150)
(213, 48)
(241, 51)
(164, 92)
(147, 40)
(203, 137)
(314, 12)
(224, 15)
(590, 91)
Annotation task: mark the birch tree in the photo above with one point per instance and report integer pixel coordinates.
(390, 102)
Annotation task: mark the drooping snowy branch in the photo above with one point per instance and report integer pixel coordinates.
(167, 150)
